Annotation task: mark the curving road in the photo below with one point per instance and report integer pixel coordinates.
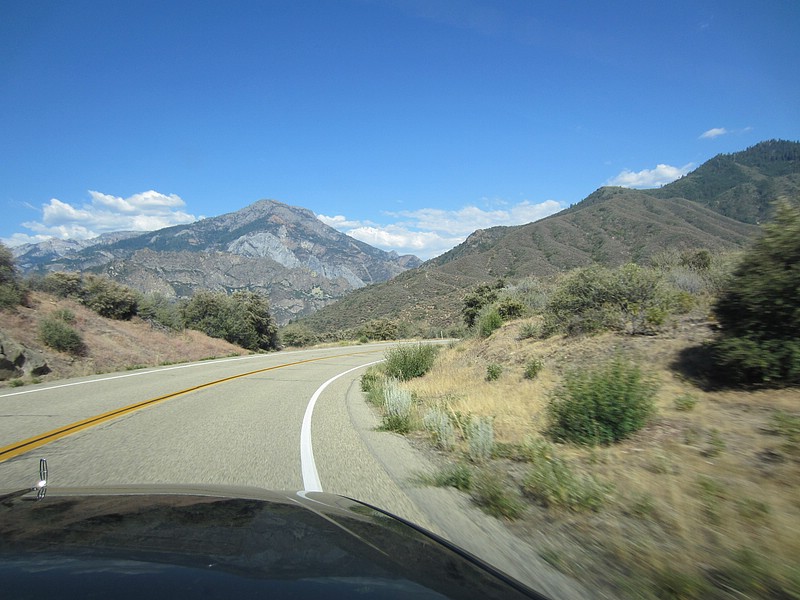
(283, 421)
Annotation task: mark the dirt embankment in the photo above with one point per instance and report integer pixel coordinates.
(109, 345)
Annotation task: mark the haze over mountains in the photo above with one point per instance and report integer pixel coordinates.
(307, 268)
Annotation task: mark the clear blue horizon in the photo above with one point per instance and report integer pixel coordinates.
(405, 123)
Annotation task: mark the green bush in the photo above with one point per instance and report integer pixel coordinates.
(12, 293)
(480, 435)
(160, 310)
(58, 335)
(511, 308)
(475, 301)
(491, 493)
(242, 318)
(759, 319)
(108, 298)
(488, 322)
(552, 482)
(380, 329)
(533, 367)
(458, 476)
(440, 426)
(396, 407)
(493, 372)
(63, 285)
(65, 315)
(408, 361)
(630, 298)
(602, 405)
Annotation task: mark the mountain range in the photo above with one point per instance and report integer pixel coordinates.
(716, 207)
(332, 281)
(281, 250)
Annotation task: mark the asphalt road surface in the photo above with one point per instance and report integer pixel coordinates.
(280, 421)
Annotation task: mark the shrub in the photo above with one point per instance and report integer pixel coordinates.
(372, 382)
(603, 405)
(493, 496)
(480, 435)
(529, 330)
(11, 291)
(511, 308)
(64, 314)
(63, 285)
(408, 361)
(108, 298)
(474, 302)
(58, 335)
(685, 402)
(458, 476)
(396, 407)
(532, 368)
(488, 322)
(160, 310)
(298, 336)
(242, 318)
(493, 372)
(438, 423)
(759, 321)
(380, 329)
(630, 298)
(552, 482)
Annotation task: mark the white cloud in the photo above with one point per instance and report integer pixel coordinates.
(429, 232)
(105, 213)
(650, 178)
(712, 133)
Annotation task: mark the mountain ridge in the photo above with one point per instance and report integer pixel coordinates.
(611, 226)
(283, 251)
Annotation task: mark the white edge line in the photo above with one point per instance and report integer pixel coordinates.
(308, 466)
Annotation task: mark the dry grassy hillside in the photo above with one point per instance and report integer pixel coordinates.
(110, 345)
(703, 502)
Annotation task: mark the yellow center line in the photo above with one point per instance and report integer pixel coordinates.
(17, 448)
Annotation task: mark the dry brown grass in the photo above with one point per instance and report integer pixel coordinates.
(703, 499)
(111, 345)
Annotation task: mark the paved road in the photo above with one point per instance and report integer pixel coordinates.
(247, 430)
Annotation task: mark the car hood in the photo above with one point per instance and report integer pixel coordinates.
(221, 542)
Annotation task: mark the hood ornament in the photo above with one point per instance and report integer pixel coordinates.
(40, 487)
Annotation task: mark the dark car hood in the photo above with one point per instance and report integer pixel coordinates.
(225, 542)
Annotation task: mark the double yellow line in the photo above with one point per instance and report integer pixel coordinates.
(17, 448)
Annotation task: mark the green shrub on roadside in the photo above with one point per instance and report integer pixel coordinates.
(601, 405)
(396, 407)
(58, 335)
(630, 298)
(685, 402)
(533, 367)
(480, 436)
(759, 320)
(552, 482)
(491, 493)
(489, 321)
(408, 361)
(440, 426)
(457, 476)
(493, 372)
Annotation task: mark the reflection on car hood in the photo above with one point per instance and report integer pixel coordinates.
(222, 542)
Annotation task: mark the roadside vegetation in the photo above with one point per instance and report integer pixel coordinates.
(639, 425)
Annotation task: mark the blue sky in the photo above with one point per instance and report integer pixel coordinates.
(406, 123)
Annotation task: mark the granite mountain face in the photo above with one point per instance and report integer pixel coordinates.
(281, 250)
